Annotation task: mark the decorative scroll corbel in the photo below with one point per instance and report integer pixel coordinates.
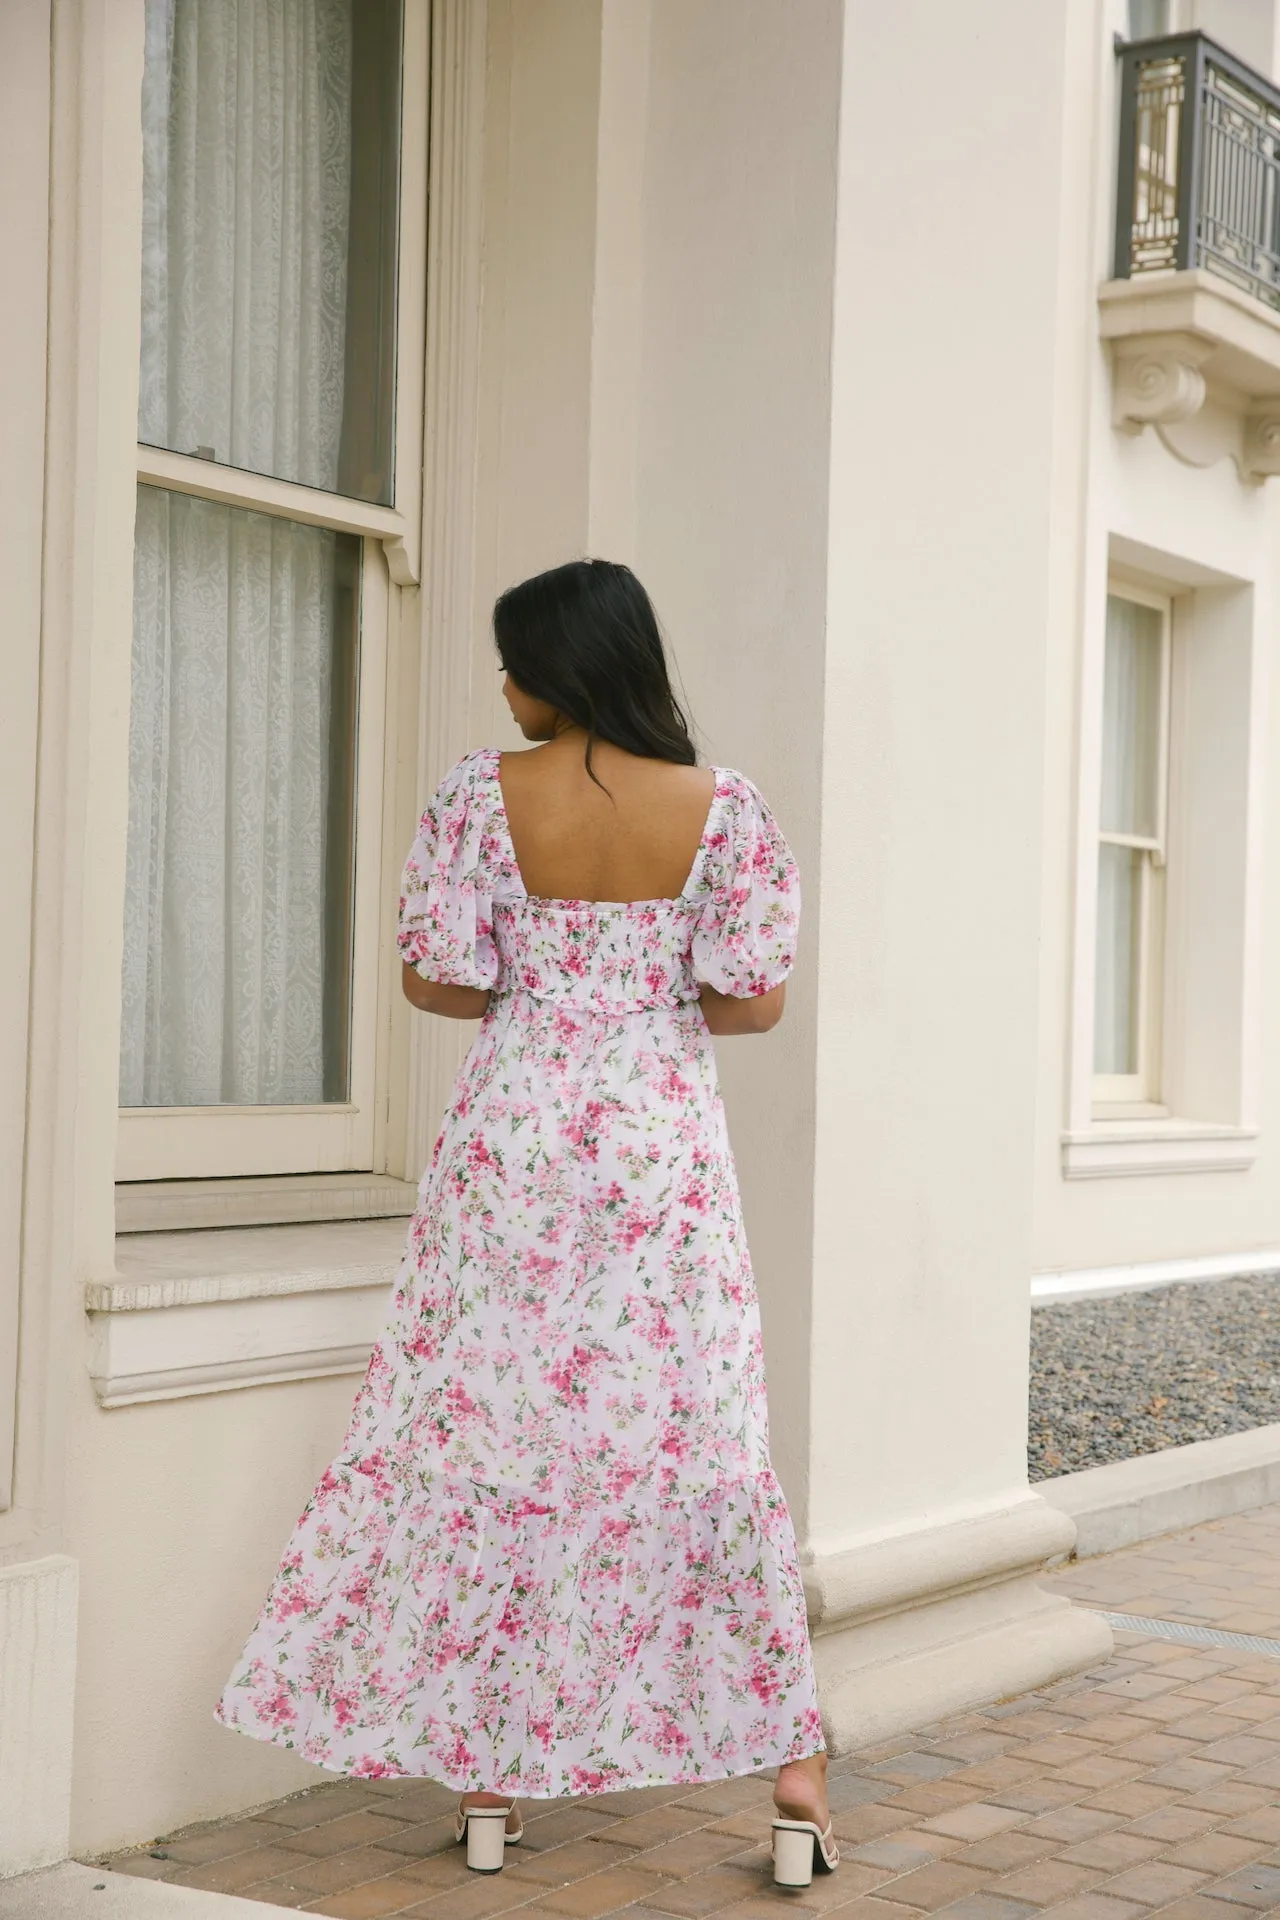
(1156, 379)
(401, 563)
(1262, 441)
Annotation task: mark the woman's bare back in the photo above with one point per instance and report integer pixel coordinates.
(574, 841)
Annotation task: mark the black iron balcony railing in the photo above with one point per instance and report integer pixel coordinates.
(1199, 177)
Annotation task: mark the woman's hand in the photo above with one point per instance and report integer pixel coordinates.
(433, 996)
(724, 1013)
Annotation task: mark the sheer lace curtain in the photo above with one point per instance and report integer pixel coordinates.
(246, 118)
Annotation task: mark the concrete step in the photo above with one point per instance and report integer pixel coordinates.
(1131, 1500)
(73, 1892)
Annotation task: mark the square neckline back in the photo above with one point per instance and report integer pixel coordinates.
(577, 905)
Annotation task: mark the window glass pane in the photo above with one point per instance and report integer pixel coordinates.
(1116, 992)
(237, 971)
(1148, 19)
(1131, 719)
(271, 134)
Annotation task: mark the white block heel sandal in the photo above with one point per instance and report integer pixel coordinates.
(800, 1848)
(485, 1831)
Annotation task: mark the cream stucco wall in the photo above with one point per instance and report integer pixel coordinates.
(177, 1516)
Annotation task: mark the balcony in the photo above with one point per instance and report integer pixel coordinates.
(1193, 312)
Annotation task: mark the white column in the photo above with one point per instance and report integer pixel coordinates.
(952, 474)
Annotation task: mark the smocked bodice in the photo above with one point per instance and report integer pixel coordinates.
(607, 956)
(466, 918)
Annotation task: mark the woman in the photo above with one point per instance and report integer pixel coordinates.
(552, 1556)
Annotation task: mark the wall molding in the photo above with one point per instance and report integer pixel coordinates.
(915, 1626)
(1131, 1148)
(1141, 1276)
(195, 1313)
(872, 1578)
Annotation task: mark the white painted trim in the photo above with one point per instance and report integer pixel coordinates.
(263, 493)
(38, 1602)
(222, 1376)
(1170, 1146)
(459, 32)
(178, 1206)
(1131, 1500)
(1212, 962)
(172, 1352)
(404, 550)
(1085, 1282)
(25, 119)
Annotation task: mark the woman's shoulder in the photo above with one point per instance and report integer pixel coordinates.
(479, 764)
(743, 827)
(468, 778)
(739, 790)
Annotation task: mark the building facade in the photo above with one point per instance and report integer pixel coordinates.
(324, 322)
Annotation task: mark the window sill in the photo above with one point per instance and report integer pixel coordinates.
(179, 1206)
(195, 1313)
(1118, 1147)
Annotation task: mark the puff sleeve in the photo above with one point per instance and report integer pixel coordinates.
(446, 917)
(745, 939)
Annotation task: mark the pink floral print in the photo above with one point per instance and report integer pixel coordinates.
(552, 1556)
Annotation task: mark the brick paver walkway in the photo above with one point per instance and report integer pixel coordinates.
(1149, 1786)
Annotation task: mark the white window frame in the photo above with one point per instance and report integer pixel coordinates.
(1217, 787)
(155, 1143)
(1119, 1096)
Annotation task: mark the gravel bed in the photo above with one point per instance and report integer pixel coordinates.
(1138, 1372)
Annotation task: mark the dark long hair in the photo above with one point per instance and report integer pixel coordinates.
(584, 638)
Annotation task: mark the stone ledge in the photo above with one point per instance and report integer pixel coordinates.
(194, 1313)
(247, 1263)
(1131, 1500)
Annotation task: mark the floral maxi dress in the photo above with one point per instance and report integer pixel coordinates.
(552, 1556)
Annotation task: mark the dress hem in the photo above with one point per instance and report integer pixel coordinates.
(457, 1785)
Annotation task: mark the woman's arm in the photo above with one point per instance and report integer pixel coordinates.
(724, 1013)
(432, 996)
